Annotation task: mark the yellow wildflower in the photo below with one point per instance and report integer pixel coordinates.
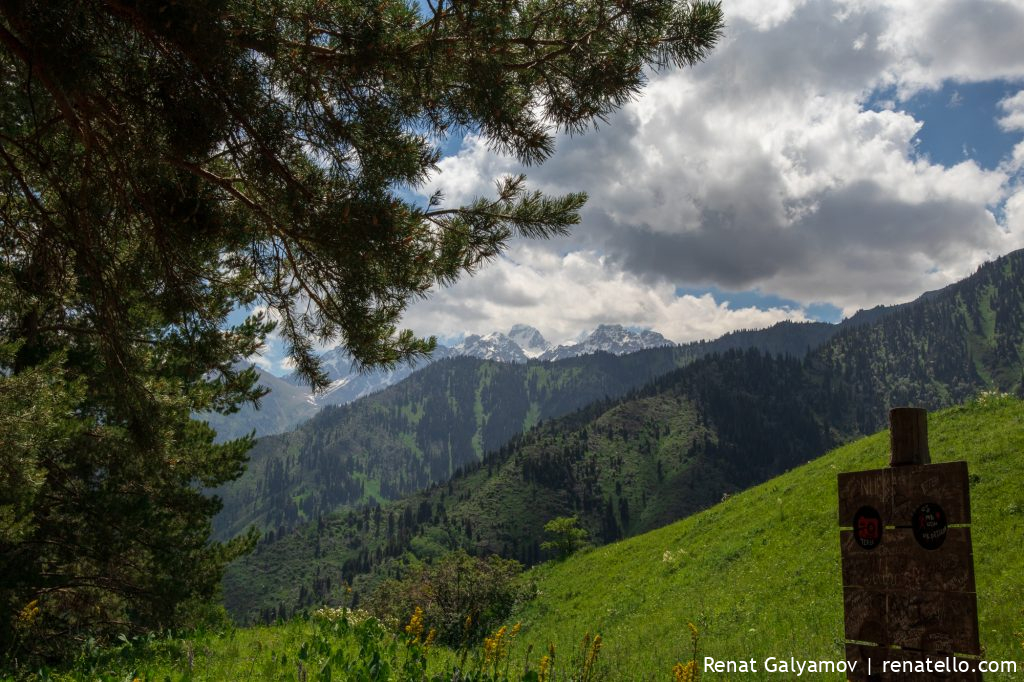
(545, 669)
(27, 616)
(685, 672)
(496, 646)
(430, 637)
(595, 649)
(415, 626)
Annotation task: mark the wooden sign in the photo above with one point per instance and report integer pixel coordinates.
(908, 568)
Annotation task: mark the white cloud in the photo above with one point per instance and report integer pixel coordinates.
(1014, 108)
(761, 168)
(960, 40)
(762, 15)
(561, 295)
(262, 362)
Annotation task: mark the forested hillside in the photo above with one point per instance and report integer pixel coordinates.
(442, 418)
(678, 445)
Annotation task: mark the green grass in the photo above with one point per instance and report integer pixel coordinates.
(758, 575)
(532, 416)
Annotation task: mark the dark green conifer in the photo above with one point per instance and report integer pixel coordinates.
(165, 162)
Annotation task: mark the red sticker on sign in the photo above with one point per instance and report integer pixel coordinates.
(867, 527)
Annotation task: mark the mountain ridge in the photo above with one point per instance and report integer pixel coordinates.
(290, 401)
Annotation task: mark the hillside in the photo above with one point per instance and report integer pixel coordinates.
(440, 419)
(414, 433)
(759, 573)
(716, 426)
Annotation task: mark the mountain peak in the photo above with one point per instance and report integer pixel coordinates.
(493, 346)
(529, 339)
(609, 338)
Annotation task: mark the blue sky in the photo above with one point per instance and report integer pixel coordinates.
(830, 155)
(959, 121)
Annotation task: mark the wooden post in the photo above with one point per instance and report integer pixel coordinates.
(908, 436)
(908, 567)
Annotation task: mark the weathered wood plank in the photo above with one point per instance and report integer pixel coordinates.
(944, 622)
(897, 492)
(910, 566)
(862, 489)
(865, 619)
(908, 436)
(900, 562)
(944, 484)
(940, 622)
(866, 658)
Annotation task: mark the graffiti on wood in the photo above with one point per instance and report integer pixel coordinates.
(907, 564)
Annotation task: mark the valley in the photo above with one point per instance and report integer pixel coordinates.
(706, 425)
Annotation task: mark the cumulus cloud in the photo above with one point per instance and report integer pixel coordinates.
(1014, 108)
(960, 40)
(763, 168)
(562, 295)
(262, 362)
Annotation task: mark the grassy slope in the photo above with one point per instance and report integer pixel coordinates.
(759, 574)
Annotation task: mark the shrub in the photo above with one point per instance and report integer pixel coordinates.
(462, 597)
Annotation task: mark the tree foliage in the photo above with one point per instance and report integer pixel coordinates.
(566, 536)
(263, 146)
(164, 163)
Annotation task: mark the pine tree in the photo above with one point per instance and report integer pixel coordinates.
(164, 163)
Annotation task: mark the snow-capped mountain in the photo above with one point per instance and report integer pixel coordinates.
(520, 344)
(610, 338)
(531, 341)
(291, 401)
(494, 346)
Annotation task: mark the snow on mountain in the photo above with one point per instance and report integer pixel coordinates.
(494, 346)
(531, 341)
(520, 344)
(610, 338)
